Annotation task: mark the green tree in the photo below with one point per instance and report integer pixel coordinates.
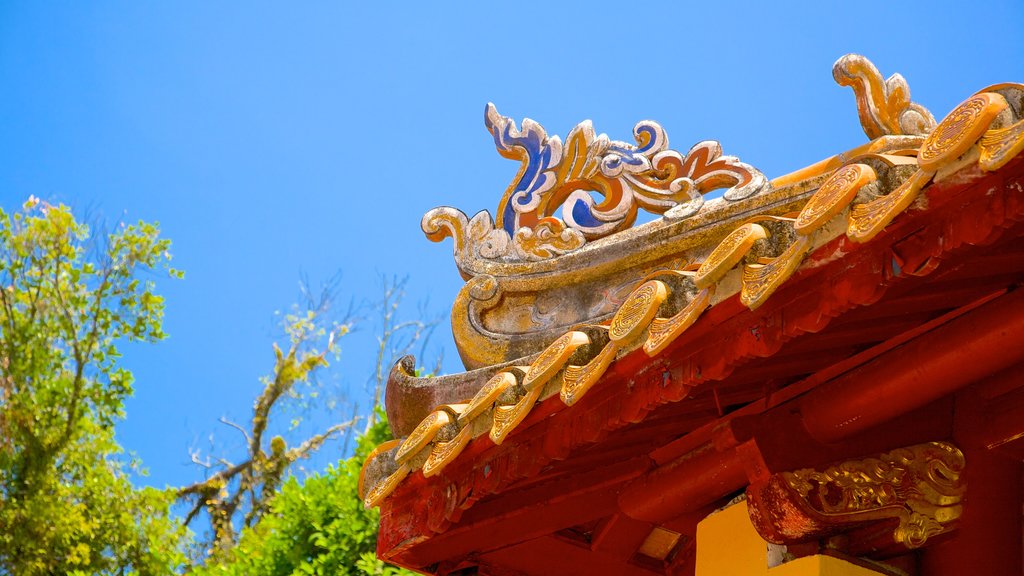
(237, 495)
(67, 505)
(66, 301)
(264, 521)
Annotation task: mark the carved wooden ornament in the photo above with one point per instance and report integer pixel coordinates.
(919, 488)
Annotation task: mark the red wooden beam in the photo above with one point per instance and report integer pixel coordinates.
(989, 538)
(912, 372)
(620, 537)
(688, 483)
(529, 513)
(986, 341)
(552, 555)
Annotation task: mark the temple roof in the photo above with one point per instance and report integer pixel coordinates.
(563, 292)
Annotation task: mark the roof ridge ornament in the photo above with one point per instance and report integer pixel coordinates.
(884, 106)
(549, 209)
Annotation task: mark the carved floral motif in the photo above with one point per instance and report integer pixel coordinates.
(550, 208)
(647, 175)
(920, 485)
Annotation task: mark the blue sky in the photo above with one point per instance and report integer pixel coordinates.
(273, 141)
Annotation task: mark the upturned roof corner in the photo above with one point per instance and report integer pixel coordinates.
(560, 285)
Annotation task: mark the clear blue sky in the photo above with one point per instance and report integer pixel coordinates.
(275, 140)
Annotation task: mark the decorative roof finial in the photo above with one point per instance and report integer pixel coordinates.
(550, 208)
(884, 106)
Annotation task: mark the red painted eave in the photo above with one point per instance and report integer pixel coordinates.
(848, 306)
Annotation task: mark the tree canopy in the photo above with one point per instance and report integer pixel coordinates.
(68, 298)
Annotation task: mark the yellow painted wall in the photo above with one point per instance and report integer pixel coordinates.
(820, 566)
(728, 545)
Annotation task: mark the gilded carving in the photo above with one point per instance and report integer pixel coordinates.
(384, 487)
(761, 280)
(728, 254)
(999, 145)
(960, 129)
(834, 195)
(506, 418)
(474, 238)
(548, 209)
(422, 435)
(487, 396)
(637, 311)
(884, 107)
(579, 379)
(441, 453)
(921, 486)
(868, 219)
(664, 330)
(553, 358)
(380, 450)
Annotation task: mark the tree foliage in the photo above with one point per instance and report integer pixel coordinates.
(317, 525)
(241, 492)
(67, 505)
(66, 301)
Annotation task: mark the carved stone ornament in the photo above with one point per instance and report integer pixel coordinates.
(549, 208)
(561, 249)
(422, 435)
(869, 218)
(761, 280)
(1004, 139)
(553, 358)
(884, 106)
(1000, 145)
(507, 417)
(488, 394)
(918, 488)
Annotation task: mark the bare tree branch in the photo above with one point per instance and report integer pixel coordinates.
(245, 433)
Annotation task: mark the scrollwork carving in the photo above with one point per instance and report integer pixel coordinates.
(549, 238)
(884, 106)
(627, 177)
(474, 238)
(551, 207)
(920, 487)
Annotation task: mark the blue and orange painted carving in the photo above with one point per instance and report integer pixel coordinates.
(625, 177)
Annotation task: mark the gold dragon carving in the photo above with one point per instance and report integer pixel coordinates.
(921, 486)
